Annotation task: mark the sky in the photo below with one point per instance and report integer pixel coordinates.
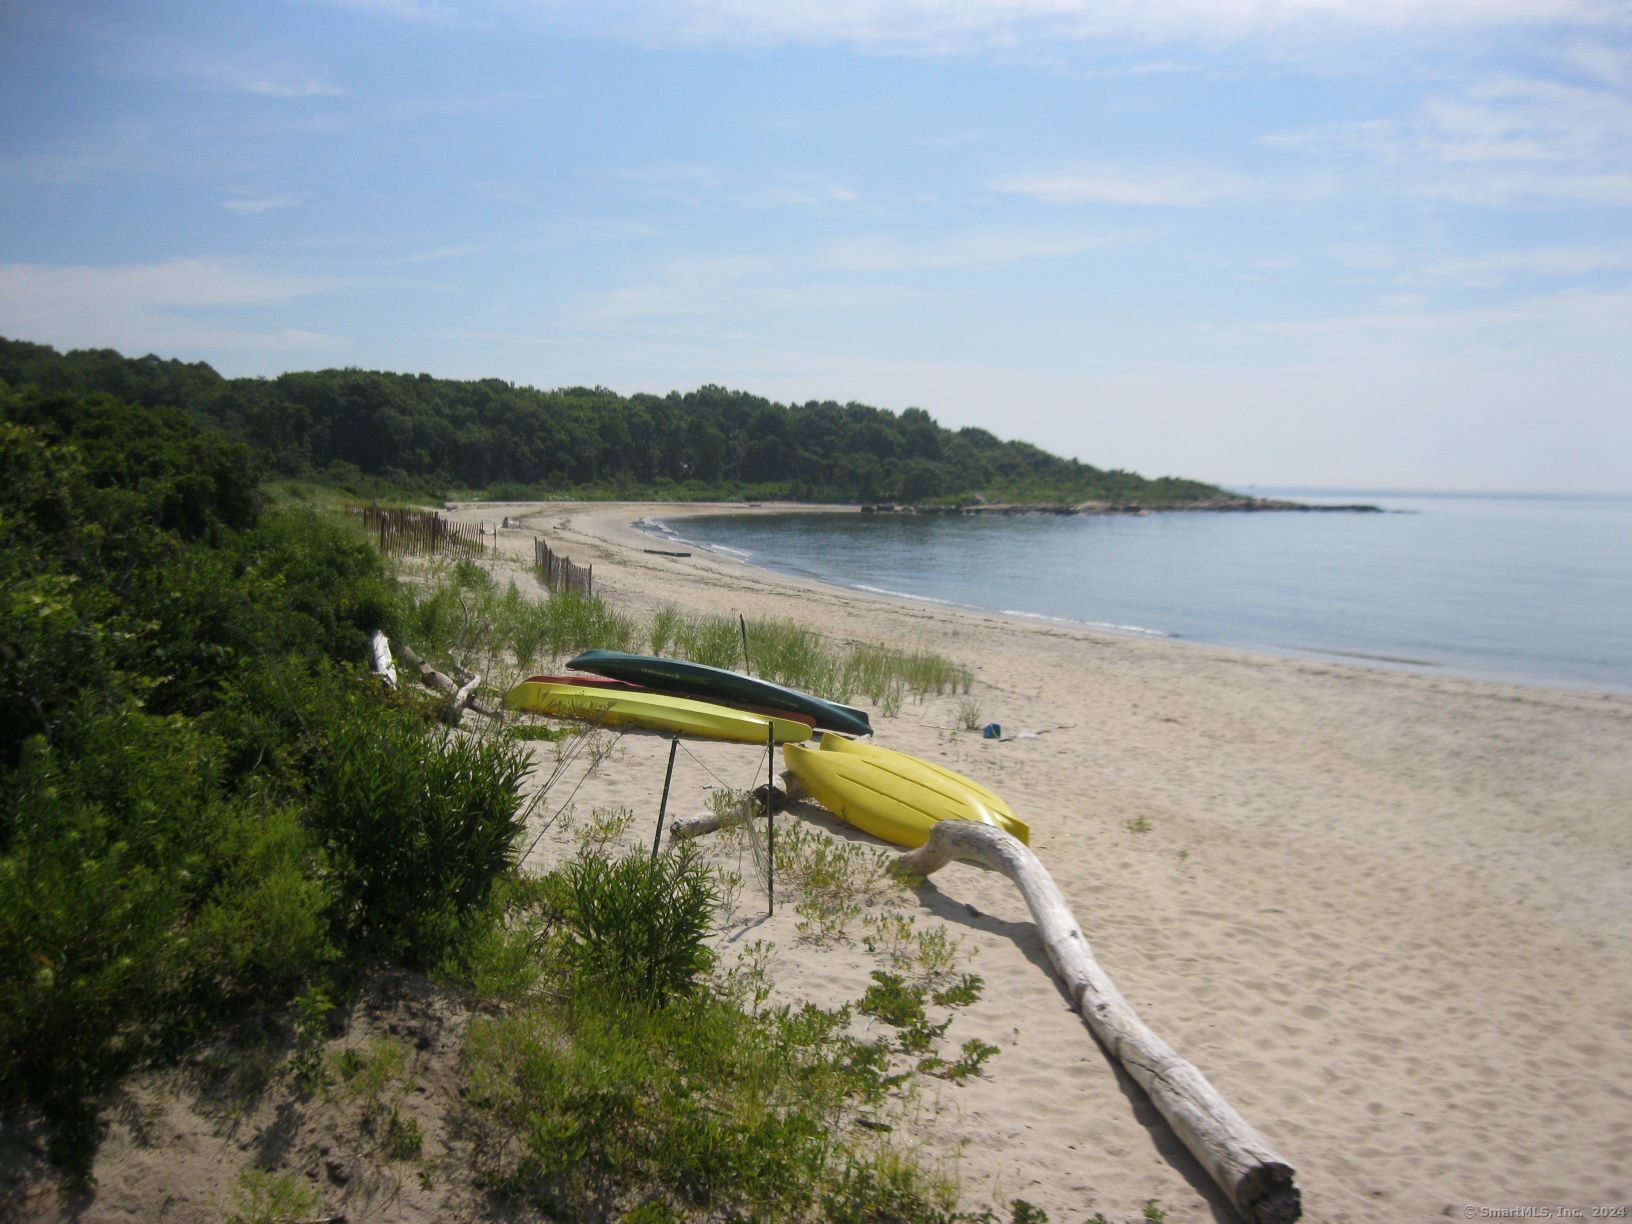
(1369, 244)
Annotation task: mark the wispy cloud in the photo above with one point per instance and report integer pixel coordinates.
(681, 287)
(1602, 63)
(286, 87)
(171, 306)
(1496, 142)
(168, 59)
(1575, 317)
(251, 205)
(1536, 187)
(950, 26)
(1159, 188)
(1499, 267)
(880, 253)
(700, 186)
(428, 12)
(116, 147)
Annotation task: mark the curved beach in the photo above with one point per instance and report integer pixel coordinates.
(1387, 914)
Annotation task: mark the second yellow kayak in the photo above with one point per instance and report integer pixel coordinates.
(652, 711)
(892, 795)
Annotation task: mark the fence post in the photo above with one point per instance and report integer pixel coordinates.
(770, 815)
(657, 838)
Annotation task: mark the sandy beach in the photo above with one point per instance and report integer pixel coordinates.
(1387, 914)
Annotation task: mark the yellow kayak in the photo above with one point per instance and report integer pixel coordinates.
(612, 707)
(891, 795)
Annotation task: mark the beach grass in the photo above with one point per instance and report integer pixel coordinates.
(641, 1078)
(784, 652)
(459, 612)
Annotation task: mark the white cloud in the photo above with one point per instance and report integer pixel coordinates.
(1538, 187)
(702, 186)
(165, 307)
(682, 287)
(251, 205)
(423, 12)
(1575, 319)
(878, 253)
(1498, 267)
(1537, 120)
(164, 59)
(1603, 63)
(287, 87)
(1498, 142)
(940, 26)
(1003, 26)
(1152, 188)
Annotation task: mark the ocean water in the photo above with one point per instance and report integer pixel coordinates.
(1527, 588)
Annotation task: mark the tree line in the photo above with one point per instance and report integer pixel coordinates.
(488, 436)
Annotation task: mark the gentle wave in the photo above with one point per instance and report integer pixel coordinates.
(660, 529)
(1107, 626)
(873, 590)
(1135, 630)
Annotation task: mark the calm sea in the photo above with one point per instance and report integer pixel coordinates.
(1526, 588)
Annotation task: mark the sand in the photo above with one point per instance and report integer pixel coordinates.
(1388, 914)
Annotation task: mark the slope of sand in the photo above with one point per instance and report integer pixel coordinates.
(1387, 914)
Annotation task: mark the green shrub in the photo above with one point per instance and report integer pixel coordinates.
(418, 829)
(635, 926)
(260, 1197)
(697, 1105)
(137, 904)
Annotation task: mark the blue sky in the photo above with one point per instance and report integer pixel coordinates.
(1365, 243)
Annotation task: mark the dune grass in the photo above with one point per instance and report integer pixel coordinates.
(629, 1077)
(461, 613)
(785, 652)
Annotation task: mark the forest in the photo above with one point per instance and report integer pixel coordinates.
(370, 432)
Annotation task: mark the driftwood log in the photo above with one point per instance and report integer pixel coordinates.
(749, 807)
(1257, 1181)
(460, 695)
(384, 665)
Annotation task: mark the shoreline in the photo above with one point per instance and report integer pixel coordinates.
(1333, 655)
(1388, 914)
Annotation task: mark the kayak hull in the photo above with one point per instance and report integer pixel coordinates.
(698, 680)
(606, 682)
(893, 796)
(618, 707)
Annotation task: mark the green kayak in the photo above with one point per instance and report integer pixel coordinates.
(699, 680)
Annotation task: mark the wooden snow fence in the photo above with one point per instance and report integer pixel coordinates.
(420, 532)
(560, 574)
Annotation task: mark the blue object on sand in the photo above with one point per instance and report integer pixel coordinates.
(991, 731)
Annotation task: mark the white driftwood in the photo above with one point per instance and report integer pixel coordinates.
(1258, 1182)
(696, 826)
(461, 699)
(749, 807)
(384, 665)
(461, 694)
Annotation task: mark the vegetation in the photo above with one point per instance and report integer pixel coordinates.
(639, 1084)
(208, 810)
(381, 434)
(203, 806)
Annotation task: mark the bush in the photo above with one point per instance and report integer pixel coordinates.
(698, 1105)
(138, 903)
(635, 926)
(418, 830)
